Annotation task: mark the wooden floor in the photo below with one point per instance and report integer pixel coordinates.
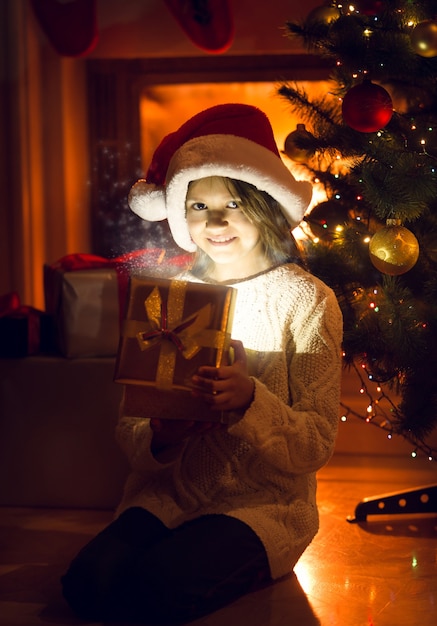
(382, 572)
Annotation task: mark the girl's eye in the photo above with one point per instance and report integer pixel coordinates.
(201, 206)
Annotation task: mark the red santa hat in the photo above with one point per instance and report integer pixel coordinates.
(231, 140)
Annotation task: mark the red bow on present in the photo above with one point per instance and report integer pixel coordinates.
(165, 332)
(125, 262)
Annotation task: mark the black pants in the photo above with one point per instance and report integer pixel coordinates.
(138, 570)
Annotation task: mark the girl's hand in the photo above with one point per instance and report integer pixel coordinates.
(226, 388)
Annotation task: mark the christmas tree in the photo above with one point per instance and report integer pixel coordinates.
(370, 144)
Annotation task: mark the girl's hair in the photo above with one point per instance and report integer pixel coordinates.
(278, 244)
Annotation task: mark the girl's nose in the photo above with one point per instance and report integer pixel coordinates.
(216, 218)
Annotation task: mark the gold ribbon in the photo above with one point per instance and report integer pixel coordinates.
(166, 326)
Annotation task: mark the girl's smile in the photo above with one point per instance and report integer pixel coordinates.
(221, 241)
(218, 226)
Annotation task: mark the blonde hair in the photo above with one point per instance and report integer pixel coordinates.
(278, 243)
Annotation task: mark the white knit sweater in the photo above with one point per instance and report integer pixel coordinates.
(262, 469)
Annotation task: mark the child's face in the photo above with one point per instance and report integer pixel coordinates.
(219, 227)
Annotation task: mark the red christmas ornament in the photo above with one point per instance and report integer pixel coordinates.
(71, 27)
(367, 107)
(208, 24)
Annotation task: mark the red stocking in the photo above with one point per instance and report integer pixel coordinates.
(208, 23)
(70, 25)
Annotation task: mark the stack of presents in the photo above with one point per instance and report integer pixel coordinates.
(159, 327)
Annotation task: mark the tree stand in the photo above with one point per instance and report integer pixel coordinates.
(419, 500)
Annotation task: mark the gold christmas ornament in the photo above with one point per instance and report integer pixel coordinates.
(394, 249)
(300, 155)
(424, 38)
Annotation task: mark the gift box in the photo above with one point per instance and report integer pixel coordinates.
(171, 328)
(86, 296)
(85, 307)
(24, 330)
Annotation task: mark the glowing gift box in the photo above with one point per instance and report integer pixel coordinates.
(172, 327)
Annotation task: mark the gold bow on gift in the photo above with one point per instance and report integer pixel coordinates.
(167, 327)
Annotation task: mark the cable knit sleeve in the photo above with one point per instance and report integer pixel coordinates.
(294, 429)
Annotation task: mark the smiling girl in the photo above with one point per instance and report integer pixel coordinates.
(210, 511)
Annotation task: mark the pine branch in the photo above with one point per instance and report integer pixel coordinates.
(401, 186)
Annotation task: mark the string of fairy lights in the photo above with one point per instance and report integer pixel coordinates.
(380, 413)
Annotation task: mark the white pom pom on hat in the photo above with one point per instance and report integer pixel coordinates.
(232, 140)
